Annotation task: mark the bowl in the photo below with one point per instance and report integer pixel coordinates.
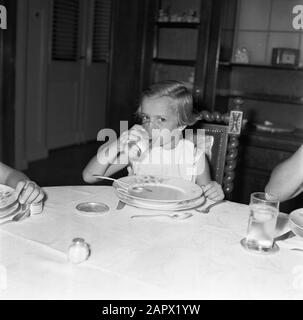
(296, 222)
(7, 197)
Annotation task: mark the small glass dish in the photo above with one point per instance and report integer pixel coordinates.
(92, 208)
(253, 248)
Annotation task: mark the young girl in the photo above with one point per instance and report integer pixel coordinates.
(166, 109)
(26, 190)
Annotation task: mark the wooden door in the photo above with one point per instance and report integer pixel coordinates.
(7, 84)
(78, 71)
(96, 68)
(64, 74)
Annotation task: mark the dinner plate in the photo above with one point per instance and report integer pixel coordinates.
(14, 212)
(296, 218)
(15, 205)
(159, 189)
(7, 196)
(122, 194)
(182, 205)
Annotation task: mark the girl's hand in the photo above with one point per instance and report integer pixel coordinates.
(28, 192)
(133, 134)
(214, 191)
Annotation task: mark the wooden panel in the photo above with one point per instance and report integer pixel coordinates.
(264, 159)
(102, 29)
(65, 35)
(1, 93)
(266, 80)
(126, 60)
(35, 116)
(62, 127)
(248, 181)
(8, 78)
(95, 100)
(177, 43)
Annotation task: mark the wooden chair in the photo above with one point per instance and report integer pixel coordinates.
(222, 152)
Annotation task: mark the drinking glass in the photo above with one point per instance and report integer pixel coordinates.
(264, 210)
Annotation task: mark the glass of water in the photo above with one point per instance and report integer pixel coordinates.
(264, 210)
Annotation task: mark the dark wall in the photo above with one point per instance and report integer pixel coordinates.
(128, 33)
(7, 83)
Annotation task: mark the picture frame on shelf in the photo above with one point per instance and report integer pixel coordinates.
(285, 57)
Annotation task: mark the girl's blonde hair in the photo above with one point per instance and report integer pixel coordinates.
(181, 96)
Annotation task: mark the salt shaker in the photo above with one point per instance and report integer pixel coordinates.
(79, 251)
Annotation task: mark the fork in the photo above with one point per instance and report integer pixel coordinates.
(19, 216)
(206, 210)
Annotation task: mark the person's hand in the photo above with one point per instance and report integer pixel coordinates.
(28, 192)
(213, 190)
(133, 134)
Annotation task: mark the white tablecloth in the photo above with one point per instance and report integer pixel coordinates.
(156, 258)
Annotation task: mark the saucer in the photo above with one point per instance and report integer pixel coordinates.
(255, 249)
(92, 208)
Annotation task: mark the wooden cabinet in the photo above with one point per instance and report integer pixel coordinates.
(7, 84)
(259, 153)
(147, 49)
(184, 40)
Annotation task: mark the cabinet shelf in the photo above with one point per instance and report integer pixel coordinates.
(190, 25)
(261, 97)
(177, 62)
(261, 66)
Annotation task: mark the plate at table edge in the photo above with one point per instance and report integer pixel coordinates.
(13, 213)
(166, 207)
(4, 214)
(9, 199)
(295, 215)
(161, 181)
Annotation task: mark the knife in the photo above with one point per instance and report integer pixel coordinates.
(120, 205)
(285, 236)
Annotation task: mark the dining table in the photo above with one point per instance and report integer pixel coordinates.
(149, 258)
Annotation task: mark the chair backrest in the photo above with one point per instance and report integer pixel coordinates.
(216, 155)
(223, 130)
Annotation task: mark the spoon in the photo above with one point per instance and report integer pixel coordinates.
(126, 185)
(178, 216)
(206, 210)
(18, 217)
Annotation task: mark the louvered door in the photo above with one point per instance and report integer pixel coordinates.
(96, 68)
(78, 70)
(64, 74)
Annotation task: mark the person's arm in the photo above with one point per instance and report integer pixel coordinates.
(95, 167)
(109, 160)
(212, 189)
(10, 176)
(26, 190)
(286, 180)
